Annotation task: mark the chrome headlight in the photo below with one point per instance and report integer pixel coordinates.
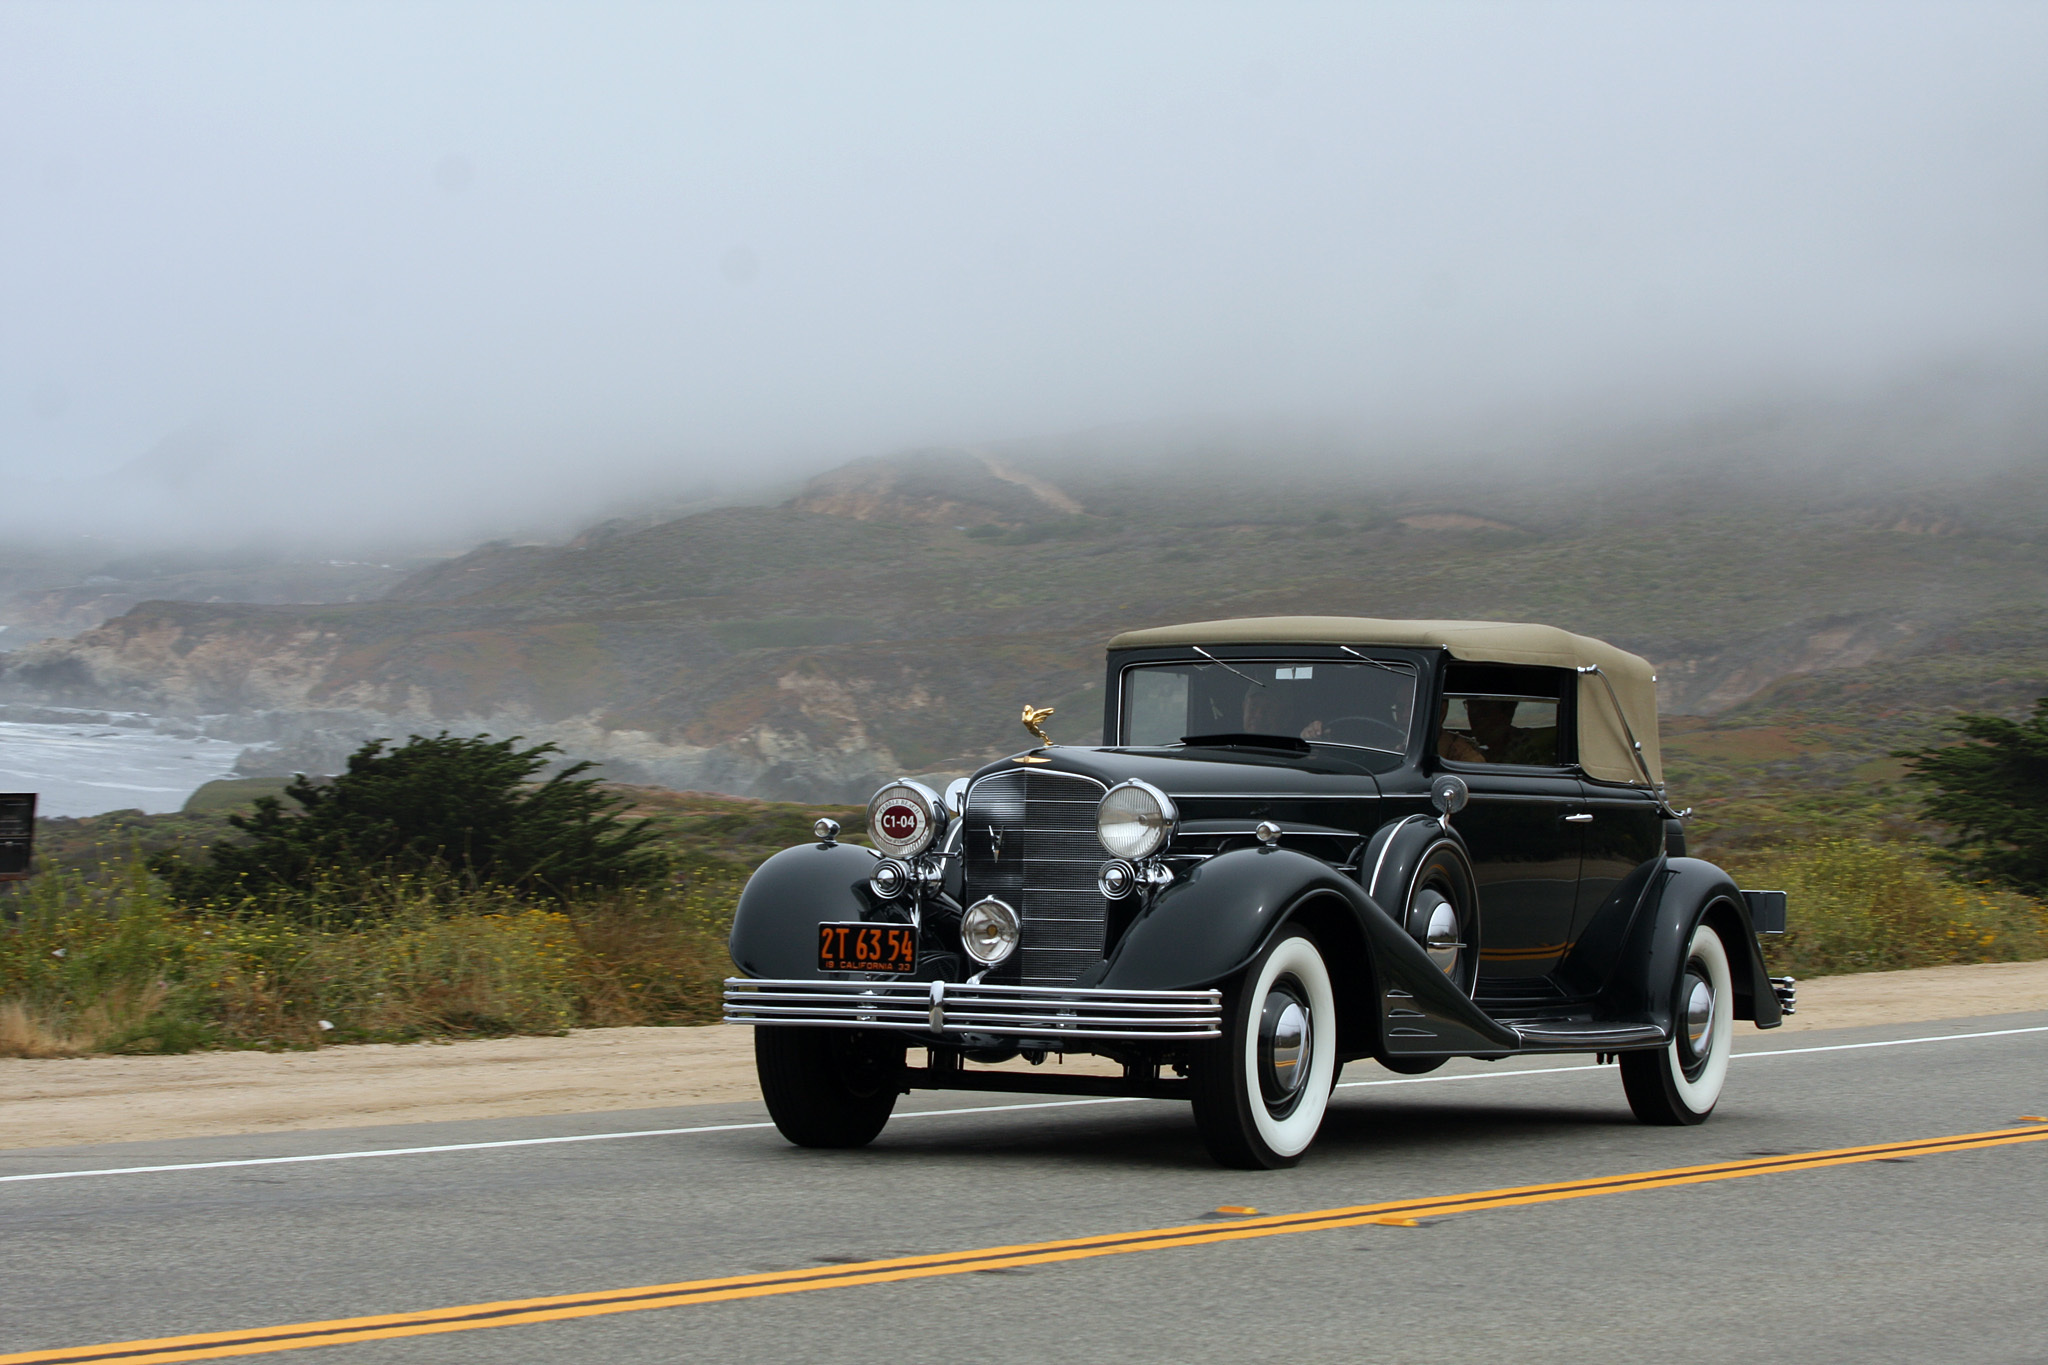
(904, 817)
(989, 931)
(1135, 819)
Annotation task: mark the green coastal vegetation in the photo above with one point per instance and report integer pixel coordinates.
(1820, 635)
(318, 927)
(447, 888)
(1901, 821)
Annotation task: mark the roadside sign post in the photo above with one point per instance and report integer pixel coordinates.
(17, 834)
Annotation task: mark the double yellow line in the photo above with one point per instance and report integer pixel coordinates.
(1400, 1213)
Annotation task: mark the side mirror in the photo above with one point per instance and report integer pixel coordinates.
(1448, 793)
(956, 797)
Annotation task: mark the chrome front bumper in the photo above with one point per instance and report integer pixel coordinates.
(941, 1008)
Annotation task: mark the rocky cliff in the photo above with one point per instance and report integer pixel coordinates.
(895, 615)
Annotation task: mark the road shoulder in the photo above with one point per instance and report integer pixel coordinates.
(50, 1103)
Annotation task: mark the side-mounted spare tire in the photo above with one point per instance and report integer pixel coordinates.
(1421, 873)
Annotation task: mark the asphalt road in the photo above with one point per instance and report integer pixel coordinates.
(1929, 1256)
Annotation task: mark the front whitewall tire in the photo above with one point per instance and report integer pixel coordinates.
(1261, 1089)
(1289, 1137)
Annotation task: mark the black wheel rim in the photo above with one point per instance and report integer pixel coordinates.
(867, 1067)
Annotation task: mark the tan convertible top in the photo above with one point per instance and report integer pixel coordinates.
(1604, 749)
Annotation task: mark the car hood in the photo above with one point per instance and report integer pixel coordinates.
(1195, 772)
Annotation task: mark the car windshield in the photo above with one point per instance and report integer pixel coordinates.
(1365, 705)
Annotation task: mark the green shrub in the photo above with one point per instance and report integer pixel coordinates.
(468, 807)
(1991, 790)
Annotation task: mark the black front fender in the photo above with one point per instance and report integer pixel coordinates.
(775, 927)
(1207, 927)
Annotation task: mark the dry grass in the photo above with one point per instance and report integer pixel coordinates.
(27, 1031)
(113, 966)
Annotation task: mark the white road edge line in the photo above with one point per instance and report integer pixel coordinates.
(928, 1113)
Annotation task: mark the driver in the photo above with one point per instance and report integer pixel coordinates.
(1266, 714)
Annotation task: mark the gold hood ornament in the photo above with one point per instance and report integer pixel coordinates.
(1034, 716)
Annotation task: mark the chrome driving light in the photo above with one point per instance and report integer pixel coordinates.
(889, 879)
(927, 874)
(1117, 879)
(1135, 819)
(989, 931)
(904, 817)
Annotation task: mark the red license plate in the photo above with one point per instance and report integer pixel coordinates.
(867, 948)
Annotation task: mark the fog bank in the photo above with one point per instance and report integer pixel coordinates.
(358, 271)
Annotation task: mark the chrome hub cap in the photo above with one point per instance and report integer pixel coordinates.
(1438, 919)
(1699, 1014)
(1286, 1046)
(1290, 1046)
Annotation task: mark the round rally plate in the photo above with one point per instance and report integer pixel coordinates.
(901, 820)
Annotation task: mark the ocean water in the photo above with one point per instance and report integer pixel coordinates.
(87, 769)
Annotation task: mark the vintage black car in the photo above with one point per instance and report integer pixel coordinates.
(1306, 841)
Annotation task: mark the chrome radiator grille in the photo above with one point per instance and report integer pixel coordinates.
(1030, 840)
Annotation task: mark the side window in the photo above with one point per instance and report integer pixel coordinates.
(1494, 713)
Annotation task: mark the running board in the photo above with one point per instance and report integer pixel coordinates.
(1587, 1035)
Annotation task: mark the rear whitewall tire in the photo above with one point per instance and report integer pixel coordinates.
(1680, 1084)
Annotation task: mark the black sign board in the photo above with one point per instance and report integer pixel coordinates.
(17, 834)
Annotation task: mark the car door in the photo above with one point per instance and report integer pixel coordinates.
(1523, 822)
(1626, 830)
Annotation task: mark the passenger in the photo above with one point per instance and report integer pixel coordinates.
(1452, 745)
(1497, 736)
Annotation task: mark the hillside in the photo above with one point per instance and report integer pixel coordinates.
(50, 593)
(894, 615)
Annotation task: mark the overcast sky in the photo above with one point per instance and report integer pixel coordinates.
(421, 266)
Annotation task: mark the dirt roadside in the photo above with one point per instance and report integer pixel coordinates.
(129, 1099)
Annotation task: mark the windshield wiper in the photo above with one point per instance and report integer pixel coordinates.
(1224, 666)
(1401, 667)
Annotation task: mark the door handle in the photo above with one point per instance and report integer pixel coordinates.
(1578, 819)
